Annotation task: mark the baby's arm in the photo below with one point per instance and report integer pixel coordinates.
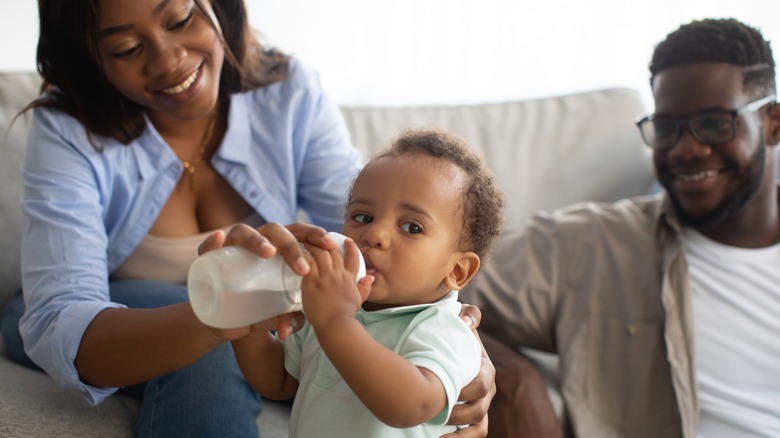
(392, 388)
(261, 358)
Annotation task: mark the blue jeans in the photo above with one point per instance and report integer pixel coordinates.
(207, 398)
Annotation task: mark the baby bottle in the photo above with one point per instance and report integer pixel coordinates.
(232, 287)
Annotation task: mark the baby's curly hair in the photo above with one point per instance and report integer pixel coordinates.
(718, 40)
(483, 199)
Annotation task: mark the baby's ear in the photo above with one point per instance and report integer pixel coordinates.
(463, 270)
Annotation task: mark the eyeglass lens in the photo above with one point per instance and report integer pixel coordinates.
(710, 127)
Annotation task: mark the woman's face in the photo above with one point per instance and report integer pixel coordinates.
(161, 54)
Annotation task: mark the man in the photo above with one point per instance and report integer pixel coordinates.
(664, 309)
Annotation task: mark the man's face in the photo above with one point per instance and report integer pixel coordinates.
(710, 184)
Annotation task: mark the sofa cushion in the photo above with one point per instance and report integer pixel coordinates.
(16, 91)
(32, 405)
(546, 153)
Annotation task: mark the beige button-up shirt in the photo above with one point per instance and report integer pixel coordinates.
(606, 287)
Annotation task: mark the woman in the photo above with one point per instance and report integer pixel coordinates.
(162, 121)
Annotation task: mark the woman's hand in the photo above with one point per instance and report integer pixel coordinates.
(285, 325)
(479, 393)
(268, 239)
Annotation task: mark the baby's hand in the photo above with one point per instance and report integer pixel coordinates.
(330, 289)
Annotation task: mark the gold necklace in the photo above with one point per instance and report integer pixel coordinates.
(192, 165)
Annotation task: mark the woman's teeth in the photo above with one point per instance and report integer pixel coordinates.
(697, 176)
(183, 86)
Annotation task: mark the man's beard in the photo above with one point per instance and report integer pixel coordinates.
(734, 202)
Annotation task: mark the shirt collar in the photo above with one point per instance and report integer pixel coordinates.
(157, 154)
(152, 153)
(238, 137)
(378, 315)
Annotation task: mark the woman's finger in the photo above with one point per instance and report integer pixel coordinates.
(311, 234)
(252, 239)
(351, 256)
(471, 315)
(289, 323)
(214, 241)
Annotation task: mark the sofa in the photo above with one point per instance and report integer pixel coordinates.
(546, 153)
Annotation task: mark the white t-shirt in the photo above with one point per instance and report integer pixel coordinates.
(736, 305)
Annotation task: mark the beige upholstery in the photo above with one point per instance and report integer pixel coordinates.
(546, 153)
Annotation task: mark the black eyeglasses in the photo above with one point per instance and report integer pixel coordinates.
(712, 127)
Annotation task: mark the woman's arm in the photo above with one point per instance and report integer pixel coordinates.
(477, 396)
(126, 346)
(70, 327)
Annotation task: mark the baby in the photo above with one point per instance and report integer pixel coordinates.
(388, 356)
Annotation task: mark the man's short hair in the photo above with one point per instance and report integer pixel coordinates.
(718, 40)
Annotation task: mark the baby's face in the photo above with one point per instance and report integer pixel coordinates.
(405, 216)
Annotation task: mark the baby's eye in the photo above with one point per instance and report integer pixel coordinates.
(362, 218)
(411, 228)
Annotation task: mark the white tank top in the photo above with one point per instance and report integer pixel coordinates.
(168, 258)
(736, 302)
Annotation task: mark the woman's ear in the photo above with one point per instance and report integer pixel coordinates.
(463, 270)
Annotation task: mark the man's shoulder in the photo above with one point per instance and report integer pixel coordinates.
(629, 217)
(631, 209)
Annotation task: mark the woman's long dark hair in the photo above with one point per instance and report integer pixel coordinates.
(68, 63)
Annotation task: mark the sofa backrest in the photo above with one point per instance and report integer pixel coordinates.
(546, 153)
(16, 91)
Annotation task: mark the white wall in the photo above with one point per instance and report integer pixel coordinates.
(404, 52)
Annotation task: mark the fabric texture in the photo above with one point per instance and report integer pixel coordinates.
(286, 148)
(430, 336)
(207, 398)
(546, 153)
(521, 407)
(735, 298)
(168, 259)
(605, 286)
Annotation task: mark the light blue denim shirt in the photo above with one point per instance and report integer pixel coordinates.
(286, 149)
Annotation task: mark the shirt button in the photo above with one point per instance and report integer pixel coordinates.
(631, 329)
(253, 194)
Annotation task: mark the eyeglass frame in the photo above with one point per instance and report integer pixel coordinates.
(686, 122)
